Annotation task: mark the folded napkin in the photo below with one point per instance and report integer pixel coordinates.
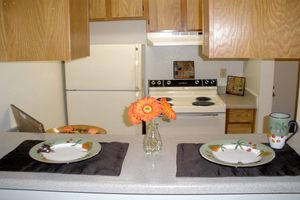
(191, 164)
(108, 162)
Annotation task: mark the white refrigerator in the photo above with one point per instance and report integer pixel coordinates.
(100, 88)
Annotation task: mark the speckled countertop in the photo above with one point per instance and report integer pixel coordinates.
(248, 101)
(142, 174)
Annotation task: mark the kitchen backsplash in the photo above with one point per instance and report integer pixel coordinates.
(159, 63)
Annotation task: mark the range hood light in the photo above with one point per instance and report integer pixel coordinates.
(174, 38)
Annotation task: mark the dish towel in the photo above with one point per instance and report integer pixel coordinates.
(109, 161)
(191, 164)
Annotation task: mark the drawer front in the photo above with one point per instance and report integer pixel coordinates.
(240, 115)
(239, 128)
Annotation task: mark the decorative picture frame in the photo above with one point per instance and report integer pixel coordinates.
(236, 85)
(183, 69)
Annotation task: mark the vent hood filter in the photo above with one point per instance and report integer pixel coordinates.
(174, 38)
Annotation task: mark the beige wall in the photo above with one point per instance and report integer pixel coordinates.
(159, 62)
(285, 83)
(252, 72)
(259, 80)
(118, 32)
(295, 140)
(35, 87)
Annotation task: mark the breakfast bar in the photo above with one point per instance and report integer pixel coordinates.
(142, 176)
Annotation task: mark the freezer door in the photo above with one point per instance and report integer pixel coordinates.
(109, 67)
(106, 109)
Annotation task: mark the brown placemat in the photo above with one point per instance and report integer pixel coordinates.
(109, 161)
(191, 164)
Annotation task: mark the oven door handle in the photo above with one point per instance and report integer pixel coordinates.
(199, 114)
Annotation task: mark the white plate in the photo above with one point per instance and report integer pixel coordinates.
(65, 150)
(237, 153)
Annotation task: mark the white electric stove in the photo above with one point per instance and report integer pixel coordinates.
(198, 107)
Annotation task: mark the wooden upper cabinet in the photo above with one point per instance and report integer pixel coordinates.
(251, 29)
(194, 15)
(97, 9)
(127, 8)
(174, 15)
(116, 9)
(43, 30)
(164, 15)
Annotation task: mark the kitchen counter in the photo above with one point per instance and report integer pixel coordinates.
(248, 101)
(141, 175)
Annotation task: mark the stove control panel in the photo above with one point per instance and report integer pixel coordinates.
(156, 83)
(210, 82)
(184, 83)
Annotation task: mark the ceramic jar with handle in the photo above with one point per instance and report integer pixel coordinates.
(280, 125)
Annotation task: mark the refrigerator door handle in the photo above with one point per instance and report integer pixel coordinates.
(138, 94)
(138, 79)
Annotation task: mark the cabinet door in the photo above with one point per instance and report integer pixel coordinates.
(240, 120)
(164, 15)
(43, 30)
(97, 9)
(239, 128)
(194, 15)
(251, 29)
(241, 115)
(127, 8)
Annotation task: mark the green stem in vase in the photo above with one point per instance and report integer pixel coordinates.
(152, 141)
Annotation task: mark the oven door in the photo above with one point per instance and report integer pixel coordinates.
(194, 123)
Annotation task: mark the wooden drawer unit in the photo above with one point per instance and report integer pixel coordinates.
(239, 128)
(240, 120)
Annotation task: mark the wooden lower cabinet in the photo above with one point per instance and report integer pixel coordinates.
(240, 120)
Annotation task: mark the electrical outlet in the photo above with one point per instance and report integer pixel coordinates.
(223, 73)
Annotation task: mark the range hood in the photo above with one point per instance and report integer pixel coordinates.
(174, 38)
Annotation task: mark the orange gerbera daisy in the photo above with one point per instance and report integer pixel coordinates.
(147, 109)
(133, 117)
(167, 109)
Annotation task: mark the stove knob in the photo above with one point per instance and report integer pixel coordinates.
(152, 83)
(197, 82)
(213, 82)
(158, 82)
(168, 82)
(206, 82)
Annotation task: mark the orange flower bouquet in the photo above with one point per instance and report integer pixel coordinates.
(148, 109)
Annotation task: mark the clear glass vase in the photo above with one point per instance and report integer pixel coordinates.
(152, 141)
